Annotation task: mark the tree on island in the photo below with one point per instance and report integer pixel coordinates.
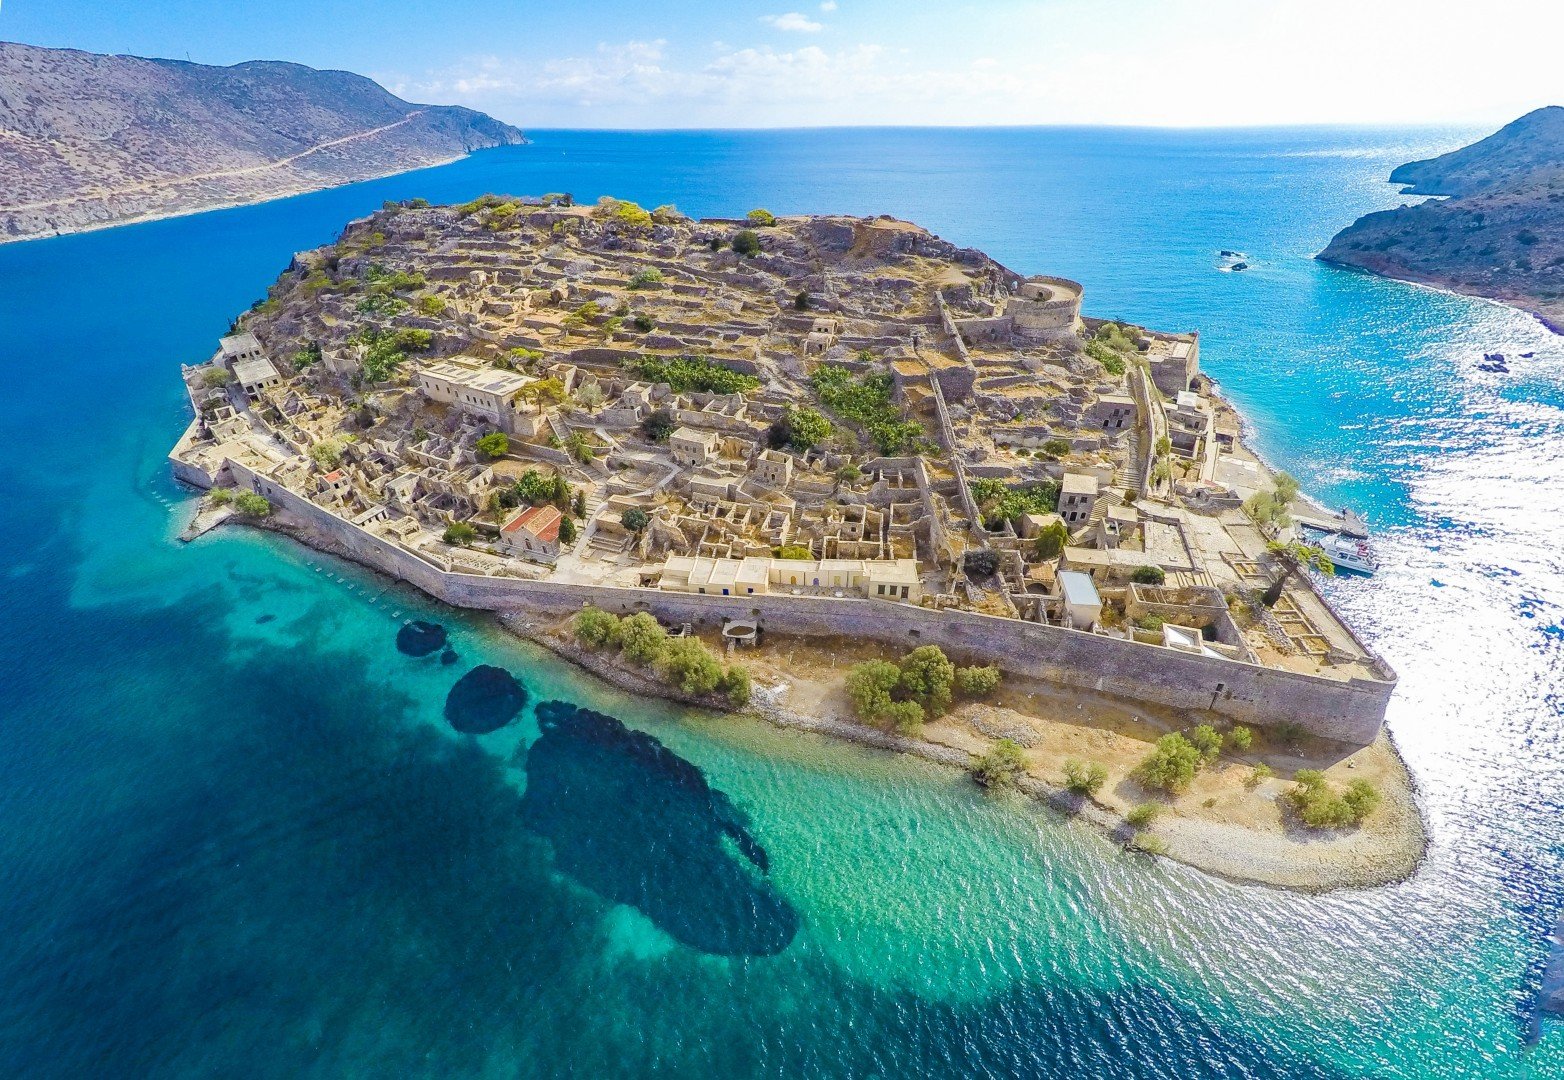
(1292, 557)
(460, 534)
(635, 519)
(747, 243)
(494, 445)
(252, 505)
(1001, 766)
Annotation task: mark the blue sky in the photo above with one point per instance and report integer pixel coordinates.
(744, 64)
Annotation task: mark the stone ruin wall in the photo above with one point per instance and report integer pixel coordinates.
(1350, 711)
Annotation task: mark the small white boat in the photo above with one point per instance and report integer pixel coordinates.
(1348, 553)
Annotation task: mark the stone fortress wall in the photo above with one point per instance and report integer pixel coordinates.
(1346, 710)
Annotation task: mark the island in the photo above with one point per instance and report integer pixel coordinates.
(838, 472)
(1498, 234)
(88, 141)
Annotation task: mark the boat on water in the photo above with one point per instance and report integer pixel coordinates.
(1348, 553)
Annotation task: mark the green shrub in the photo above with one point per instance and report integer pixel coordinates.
(736, 687)
(1083, 778)
(459, 533)
(761, 218)
(1001, 766)
(1056, 448)
(870, 685)
(906, 717)
(1258, 775)
(806, 428)
(688, 664)
(642, 638)
(431, 306)
(252, 505)
(999, 502)
(542, 489)
(1150, 843)
(496, 444)
(1051, 541)
(747, 243)
(1208, 741)
(978, 681)
(327, 453)
(220, 496)
(927, 676)
(692, 374)
(1149, 575)
(1171, 765)
(642, 279)
(794, 551)
(1153, 623)
(1240, 739)
(215, 376)
(635, 519)
(1320, 808)
(866, 402)
(596, 628)
(801, 301)
(307, 356)
(1143, 815)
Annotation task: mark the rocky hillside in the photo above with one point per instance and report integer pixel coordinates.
(88, 140)
(1499, 234)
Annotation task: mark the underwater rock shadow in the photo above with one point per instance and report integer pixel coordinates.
(639, 825)
(484, 700)
(420, 638)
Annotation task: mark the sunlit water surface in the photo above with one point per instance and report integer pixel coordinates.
(240, 838)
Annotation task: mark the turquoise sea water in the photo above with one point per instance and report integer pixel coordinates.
(239, 838)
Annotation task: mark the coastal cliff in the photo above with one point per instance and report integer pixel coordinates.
(88, 141)
(1498, 234)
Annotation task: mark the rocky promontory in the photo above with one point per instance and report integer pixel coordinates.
(88, 140)
(1498, 232)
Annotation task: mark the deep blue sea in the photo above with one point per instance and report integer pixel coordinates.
(238, 837)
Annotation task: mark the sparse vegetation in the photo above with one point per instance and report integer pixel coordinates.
(1084, 778)
(1148, 575)
(998, 502)
(252, 505)
(496, 444)
(1143, 815)
(978, 681)
(659, 424)
(692, 374)
(459, 533)
(747, 243)
(866, 401)
(1240, 739)
(1318, 807)
(646, 278)
(1001, 766)
(1208, 741)
(761, 218)
(1258, 775)
(1171, 765)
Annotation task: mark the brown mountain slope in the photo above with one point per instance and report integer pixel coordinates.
(1499, 235)
(88, 140)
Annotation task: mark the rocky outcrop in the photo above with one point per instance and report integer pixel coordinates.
(88, 140)
(1500, 232)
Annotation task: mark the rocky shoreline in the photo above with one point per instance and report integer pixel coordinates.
(1324, 864)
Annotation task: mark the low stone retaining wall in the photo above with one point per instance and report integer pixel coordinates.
(1347, 710)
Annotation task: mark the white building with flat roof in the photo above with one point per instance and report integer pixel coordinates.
(492, 394)
(1081, 602)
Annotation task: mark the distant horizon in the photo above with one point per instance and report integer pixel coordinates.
(1062, 125)
(742, 65)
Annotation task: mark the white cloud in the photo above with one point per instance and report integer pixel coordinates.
(1187, 62)
(793, 21)
(828, 6)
